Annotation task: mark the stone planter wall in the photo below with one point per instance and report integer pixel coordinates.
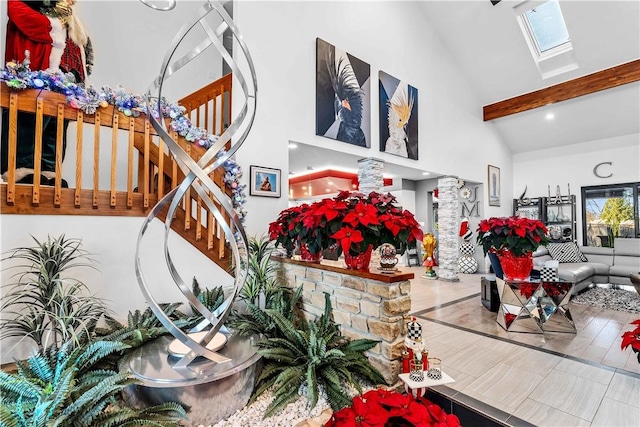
(366, 305)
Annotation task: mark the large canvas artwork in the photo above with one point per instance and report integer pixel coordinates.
(343, 88)
(398, 117)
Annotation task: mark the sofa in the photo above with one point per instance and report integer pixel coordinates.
(600, 265)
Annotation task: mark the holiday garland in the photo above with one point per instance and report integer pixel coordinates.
(18, 76)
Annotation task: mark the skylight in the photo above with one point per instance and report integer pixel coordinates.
(547, 26)
(547, 36)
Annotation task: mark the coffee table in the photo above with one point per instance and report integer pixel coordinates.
(535, 306)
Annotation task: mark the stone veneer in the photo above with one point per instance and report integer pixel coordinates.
(365, 305)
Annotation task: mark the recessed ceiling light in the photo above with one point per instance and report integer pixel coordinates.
(549, 116)
(304, 187)
(293, 145)
(330, 182)
(328, 190)
(426, 173)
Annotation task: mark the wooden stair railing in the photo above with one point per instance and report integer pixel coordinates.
(122, 179)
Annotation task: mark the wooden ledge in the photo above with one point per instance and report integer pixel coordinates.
(373, 273)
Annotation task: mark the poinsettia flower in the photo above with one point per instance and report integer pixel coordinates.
(346, 236)
(345, 417)
(330, 209)
(362, 214)
(368, 413)
(415, 413)
(396, 400)
(631, 338)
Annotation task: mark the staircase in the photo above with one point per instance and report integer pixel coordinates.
(140, 168)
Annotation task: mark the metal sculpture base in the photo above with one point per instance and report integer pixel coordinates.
(210, 392)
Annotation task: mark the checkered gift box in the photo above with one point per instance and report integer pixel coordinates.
(414, 330)
(549, 274)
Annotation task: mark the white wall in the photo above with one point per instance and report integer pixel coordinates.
(573, 165)
(390, 36)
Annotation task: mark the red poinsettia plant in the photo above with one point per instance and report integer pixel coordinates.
(519, 235)
(384, 408)
(632, 338)
(351, 220)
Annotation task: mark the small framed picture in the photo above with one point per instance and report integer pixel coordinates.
(264, 182)
(493, 179)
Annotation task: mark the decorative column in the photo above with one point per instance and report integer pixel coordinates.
(370, 177)
(448, 229)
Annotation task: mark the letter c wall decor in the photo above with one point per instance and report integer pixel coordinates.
(595, 170)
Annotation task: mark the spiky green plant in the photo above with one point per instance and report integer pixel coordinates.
(256, 321)
(61, 387)
(314, 353)
(145, 326)
(261, 276)
(44, 304)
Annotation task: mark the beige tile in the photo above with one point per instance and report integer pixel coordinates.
(474, 362)
(570, 393)
(533, 361)
(614, 413)
(462, 380)
(594, 353)
(625, 389)
(542, 415)
(632, 364)
(583, 370)
(506, 387)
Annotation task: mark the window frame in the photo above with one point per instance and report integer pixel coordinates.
(636, 201)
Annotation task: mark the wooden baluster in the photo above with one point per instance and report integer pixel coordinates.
(132, 128)
(160, 181)
(187, 199)
(59, 148)
(214, 107)
(199, 219)
(114, 159)
(206, 116)
(79, 139)
(96, 159)
(11, 155)
(145, 175)
(37, 154)
(210, 227)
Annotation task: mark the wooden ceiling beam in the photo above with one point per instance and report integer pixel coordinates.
(601, 80)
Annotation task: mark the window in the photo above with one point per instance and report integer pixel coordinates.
(610, 211)
(547, 36)
(546, 25)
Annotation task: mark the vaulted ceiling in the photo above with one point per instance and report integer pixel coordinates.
(488, 45)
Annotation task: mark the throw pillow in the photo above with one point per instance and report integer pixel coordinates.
(566, 252)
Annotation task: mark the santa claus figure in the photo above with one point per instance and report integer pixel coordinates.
(50, 37)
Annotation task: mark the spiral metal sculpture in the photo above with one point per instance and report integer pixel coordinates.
(197, 178)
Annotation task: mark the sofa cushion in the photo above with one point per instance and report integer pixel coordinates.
(598, 254)
(576, 272)
(629, 247)
(566, 252)
(623, 270)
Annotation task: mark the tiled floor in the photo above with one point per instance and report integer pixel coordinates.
(555, 379)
